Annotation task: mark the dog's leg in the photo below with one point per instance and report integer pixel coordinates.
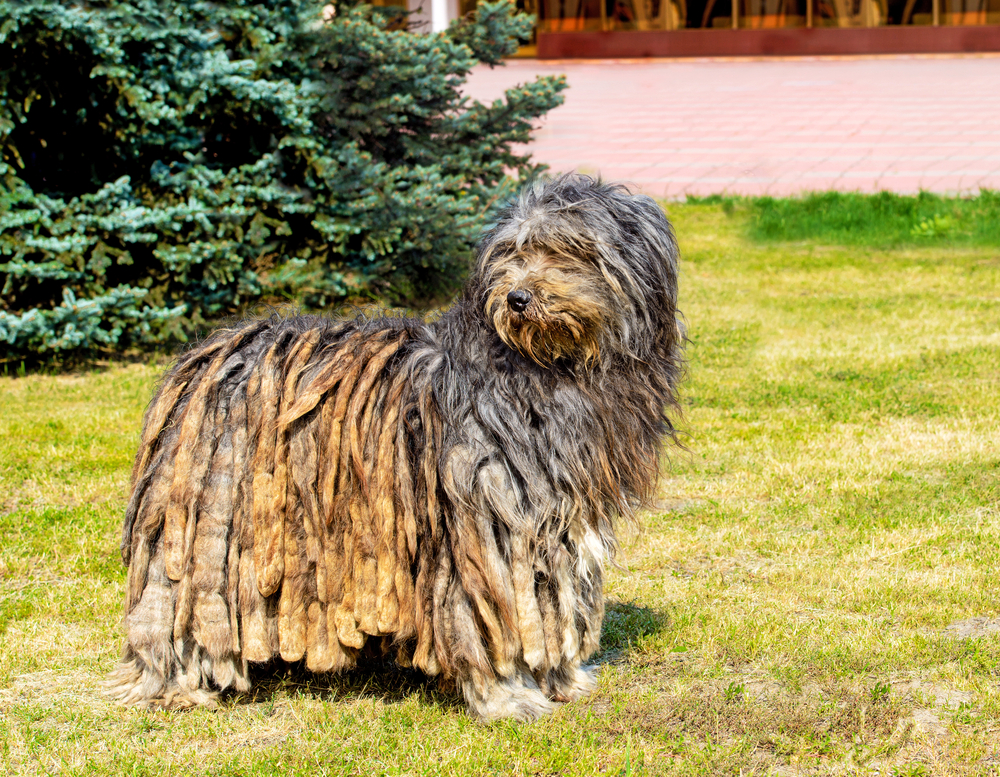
(151, 673)
(517, 697)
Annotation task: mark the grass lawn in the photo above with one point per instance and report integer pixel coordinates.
(816, 591)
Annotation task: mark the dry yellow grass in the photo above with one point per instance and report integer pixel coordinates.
(815, 593)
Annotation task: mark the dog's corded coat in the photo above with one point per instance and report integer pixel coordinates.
(446, 492)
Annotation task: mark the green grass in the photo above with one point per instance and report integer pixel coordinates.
(812, 593)
(871, 220)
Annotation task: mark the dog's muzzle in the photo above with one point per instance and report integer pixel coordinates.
(519, 300)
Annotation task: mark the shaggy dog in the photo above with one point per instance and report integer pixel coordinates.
(445, 493)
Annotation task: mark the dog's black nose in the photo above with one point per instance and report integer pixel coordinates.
(518, 300)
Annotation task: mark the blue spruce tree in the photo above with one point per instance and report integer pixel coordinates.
(165, 164)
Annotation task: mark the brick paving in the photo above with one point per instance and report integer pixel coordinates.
(771, 126)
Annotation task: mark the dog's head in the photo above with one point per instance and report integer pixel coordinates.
(582, 271)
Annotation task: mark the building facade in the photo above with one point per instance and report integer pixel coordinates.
(643, 28)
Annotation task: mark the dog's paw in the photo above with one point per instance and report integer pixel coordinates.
(136, 684)
(573, 683)
(516, 698)
(568, 683)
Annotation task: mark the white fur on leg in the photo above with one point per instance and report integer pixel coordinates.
(517, 697)
(569, 683)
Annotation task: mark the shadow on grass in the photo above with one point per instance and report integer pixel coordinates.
(381, 678)
(625, 623)
(376, 677)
